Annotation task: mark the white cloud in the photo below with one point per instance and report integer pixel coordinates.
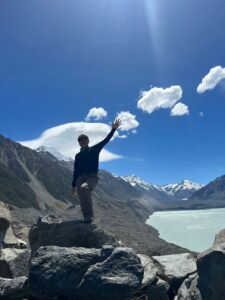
(179, 109)
(64, 138)
(128, 120)
(201, 114)
(158, 97)
(96, 113)
(211, 80)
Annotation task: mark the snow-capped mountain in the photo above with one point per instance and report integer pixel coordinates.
(177, 191)
(137, 181)
(54, 152)
(182, 190)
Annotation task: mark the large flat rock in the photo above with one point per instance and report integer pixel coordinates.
(51, 230)
(177, 267)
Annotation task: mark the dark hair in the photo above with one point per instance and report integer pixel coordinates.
(82, 136)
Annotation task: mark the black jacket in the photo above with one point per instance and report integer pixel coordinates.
(87, 161)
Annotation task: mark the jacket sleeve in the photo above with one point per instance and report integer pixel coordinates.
(101, 144)
(75, 173)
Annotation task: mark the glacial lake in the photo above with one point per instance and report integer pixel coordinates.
(192, 229)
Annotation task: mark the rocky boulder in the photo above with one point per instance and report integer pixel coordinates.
(13, 289)
(5, 217)
(14, 262)
(7, 237)
(57, 271)
(51, 230)
(151, 269)
(84, 273)
(219, 238)
(157, 290)
(152, 286)
(176, 268)
(211, 271)
(116, 278)
(189, 289)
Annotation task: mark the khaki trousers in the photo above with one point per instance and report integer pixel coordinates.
(85, 185)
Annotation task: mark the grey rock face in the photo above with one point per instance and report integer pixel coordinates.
(82, 273)
(14, 262)
(52, 231)
(189, 289)
(57, 271)
(115, 278)
(7, 237)
(211, 266)
(5, 217)
(219, 238)
(152, 287)
(151, 270)
(10, 241)
(13, 289)
(158, 291)
(176, 268)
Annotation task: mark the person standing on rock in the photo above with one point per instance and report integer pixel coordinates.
(85, 175)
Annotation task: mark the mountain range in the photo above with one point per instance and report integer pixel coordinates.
(35, 183)
(54, 152)
(177, 191)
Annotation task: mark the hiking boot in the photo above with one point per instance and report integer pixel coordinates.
(88, 219)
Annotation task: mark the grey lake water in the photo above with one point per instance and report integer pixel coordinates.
(192, 229)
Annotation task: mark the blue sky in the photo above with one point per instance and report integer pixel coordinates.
(59, 59)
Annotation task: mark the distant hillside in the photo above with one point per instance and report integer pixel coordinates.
(30, 179)
(213, 194)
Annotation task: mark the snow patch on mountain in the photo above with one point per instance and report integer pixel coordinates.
(185, 185)
(137, 181)
(54, 152)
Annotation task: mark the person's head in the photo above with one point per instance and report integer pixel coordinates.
(83, 140)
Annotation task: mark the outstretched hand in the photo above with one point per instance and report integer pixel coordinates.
(116, 123)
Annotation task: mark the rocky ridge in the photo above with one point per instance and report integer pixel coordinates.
(92, 264)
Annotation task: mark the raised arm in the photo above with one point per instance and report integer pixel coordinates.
(101, 144)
